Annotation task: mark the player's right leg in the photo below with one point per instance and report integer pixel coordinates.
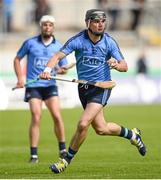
(88, 115)
(34, 97)
(35, 108)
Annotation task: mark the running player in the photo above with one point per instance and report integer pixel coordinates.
(93, 50)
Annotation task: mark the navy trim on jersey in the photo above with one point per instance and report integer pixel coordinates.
(87, 36)
(74, 37)
(40, 39)
(106, 34)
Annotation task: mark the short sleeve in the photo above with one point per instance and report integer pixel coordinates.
(23, 50)
(69, 46)
(115, 50)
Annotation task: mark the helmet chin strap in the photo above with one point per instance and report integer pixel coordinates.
(96, 33)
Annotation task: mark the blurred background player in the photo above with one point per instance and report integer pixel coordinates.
(137, 11)
(39, 50)
(112, 9)
(7, 15)
(143, 82)
(93, 51)
(141, 65)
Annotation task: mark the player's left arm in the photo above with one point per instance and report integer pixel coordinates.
(118, 65)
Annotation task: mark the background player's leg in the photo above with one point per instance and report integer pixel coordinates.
(34, 129)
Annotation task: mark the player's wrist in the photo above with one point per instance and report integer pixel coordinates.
(119, 68)
(48, 69)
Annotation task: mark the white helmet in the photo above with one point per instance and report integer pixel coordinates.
(46, 18)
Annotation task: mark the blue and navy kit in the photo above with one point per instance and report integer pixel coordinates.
(91, 59)
(92, 64)
(38, 55)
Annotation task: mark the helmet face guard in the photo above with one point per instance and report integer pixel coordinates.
(95, 14)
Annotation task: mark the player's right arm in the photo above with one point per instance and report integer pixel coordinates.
(68, 48)
(51, 64)
(18, 71)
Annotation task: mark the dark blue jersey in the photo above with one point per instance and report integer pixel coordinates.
(38, 55)
(91, 59)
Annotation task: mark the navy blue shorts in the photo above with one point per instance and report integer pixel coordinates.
(88, 93)
(40, 92)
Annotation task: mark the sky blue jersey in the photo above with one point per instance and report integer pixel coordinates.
(38, 55)
(91, 59)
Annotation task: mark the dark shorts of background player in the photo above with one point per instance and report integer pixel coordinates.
(88, 93)
(42, 93)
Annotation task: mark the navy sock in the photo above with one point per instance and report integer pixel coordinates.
(33, 151)
(62, 146)
(126, 133)
(70, 155)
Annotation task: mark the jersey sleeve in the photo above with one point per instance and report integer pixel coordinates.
(23, 50)
(115, 50)
(63, 62)
(69, 46)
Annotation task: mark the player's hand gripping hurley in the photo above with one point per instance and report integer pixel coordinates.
(25, 85)
(104, 85)
(69, 66)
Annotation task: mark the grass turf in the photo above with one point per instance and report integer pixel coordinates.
(98, 158)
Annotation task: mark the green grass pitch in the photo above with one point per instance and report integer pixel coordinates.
(98, 158)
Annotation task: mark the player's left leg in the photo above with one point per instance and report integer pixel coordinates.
(137, 141)
(101, 127)
(54, 107)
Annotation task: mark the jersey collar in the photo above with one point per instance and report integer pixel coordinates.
(87, 36)
(40, 39)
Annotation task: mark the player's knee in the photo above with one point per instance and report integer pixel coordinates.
(36, 119)
(82, 126)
